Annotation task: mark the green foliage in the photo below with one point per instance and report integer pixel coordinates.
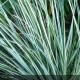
(37, 44)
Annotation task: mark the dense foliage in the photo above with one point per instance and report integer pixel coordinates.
(40, 37)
